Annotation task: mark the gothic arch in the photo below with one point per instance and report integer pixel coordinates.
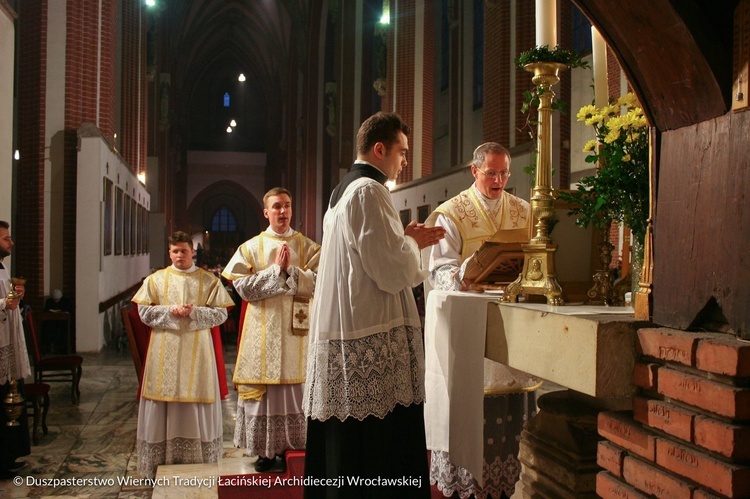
(248, 211)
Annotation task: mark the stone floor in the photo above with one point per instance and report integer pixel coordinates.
(94, 441)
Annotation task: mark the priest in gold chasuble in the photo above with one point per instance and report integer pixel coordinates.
(469, 219)
(179, 416)
(274, 273)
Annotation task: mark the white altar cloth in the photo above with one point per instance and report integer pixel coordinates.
(454, 375)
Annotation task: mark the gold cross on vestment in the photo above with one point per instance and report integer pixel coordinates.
(300, 316)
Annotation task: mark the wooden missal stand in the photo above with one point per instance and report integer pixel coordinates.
(499, 260)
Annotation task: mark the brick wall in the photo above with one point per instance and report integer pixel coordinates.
(32, 81)
(405, 57)
(497, 61)
(689, 432)
(525, 40)
(428, 88)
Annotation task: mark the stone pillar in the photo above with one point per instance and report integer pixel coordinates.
(558, 448)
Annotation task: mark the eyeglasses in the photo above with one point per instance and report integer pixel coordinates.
(495, 174)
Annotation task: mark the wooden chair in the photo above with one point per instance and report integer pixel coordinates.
(138, 337)
(55, 369)
(55, 319)
(37, 404)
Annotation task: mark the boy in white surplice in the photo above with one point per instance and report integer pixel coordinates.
(274, 273)
(179, 417)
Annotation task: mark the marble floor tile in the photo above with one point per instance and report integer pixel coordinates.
(92, 463)
(106, 439)
(191, 481)
(58, 440)
(81, 484)
(94, 440)
(115, 412)
(24, 488)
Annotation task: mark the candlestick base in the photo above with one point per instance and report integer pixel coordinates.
(538, 276)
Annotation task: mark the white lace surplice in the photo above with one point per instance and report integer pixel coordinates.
(179, 416)
(365, 353)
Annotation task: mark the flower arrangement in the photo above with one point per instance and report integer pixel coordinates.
(620, 189)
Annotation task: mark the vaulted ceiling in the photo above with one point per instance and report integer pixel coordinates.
(206, 44)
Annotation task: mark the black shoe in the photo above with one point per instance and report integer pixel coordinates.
(263, 464)
(281, 464)
(18, 465)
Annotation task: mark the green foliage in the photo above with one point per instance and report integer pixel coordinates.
(531, 97)
(619, 191)
(544, 54)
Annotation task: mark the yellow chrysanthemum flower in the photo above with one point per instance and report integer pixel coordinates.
(593, 120)
(612, 136)
(586, 112)
(590, 146)
(629, 100)
(611, 111)
(618, 123)
(632, 136)
(626, 158)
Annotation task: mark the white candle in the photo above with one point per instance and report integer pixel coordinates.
(599, 49)
(546, 23)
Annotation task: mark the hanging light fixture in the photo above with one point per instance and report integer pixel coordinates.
(232, 123)
(229, 129)
(241, 77)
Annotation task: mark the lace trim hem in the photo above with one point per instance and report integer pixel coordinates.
(267, 436)
(365, 377)
(499, 476)
(176, 451)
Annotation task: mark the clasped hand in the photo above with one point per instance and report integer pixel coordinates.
(424, 236)
(282, 257)
(182, 310)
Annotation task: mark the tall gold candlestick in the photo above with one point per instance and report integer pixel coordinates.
(538, 276)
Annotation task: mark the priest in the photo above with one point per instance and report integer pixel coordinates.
(469, 219)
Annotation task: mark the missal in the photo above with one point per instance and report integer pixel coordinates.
(499, 260)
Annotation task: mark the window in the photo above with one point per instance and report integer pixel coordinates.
(581, 33)
(118, 221)
(223, 221)
(107, 216)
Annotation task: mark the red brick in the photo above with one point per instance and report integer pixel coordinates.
(609, 487)
(610, 457)
(625, 432)
(665, 416)
(730, 440)
(653, 480)
(644, 375)
(713, 396)
(705, 494)
(723, 354)
(668, 344)
(728, 479)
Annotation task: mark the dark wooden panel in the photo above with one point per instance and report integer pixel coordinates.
(678, 61)
(702, 224)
